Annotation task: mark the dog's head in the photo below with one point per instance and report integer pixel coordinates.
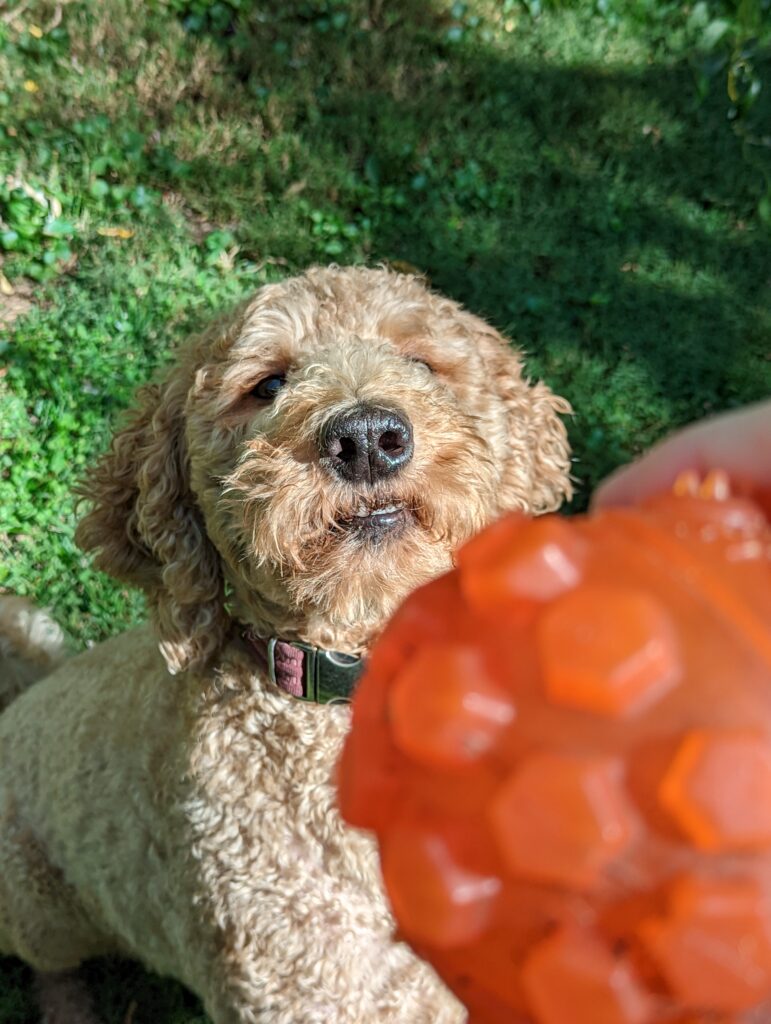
(316, 457)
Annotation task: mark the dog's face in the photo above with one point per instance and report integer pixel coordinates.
(323, 454)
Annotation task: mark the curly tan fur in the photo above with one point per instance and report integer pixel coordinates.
(190, 821)
(31, 646)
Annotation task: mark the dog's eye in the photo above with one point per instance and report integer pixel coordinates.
(269, 387)
(422, 362)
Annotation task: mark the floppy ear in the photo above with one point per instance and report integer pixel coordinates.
(536, 475)
(146, 528)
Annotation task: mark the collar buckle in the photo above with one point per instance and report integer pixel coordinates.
(328, 677)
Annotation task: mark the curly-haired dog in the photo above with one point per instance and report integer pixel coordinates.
(302, 467)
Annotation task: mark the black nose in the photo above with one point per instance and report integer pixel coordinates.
(366, 444)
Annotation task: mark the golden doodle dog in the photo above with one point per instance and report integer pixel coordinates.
(169, 794)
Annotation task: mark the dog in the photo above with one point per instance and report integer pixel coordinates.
(169, 794)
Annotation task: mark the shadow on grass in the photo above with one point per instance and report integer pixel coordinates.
(602, 215)
(605, 216)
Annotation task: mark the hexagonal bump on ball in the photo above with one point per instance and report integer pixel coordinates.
(437, 898)
(713, 946)
(718, 789)
(606, 649)
(519, 564)
(446, 708)
(563, 819)
(573, 978)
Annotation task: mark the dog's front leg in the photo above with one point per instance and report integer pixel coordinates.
(334, 989)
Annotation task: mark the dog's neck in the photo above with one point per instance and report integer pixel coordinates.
(266, 619)
(347, 618)
(318, 634)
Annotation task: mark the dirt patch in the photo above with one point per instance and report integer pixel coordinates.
(15, 299)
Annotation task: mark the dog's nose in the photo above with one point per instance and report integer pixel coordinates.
(366, 443)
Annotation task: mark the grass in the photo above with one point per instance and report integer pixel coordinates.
(592, 177)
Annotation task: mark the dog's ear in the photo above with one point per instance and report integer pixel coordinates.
(536, 475)
(146, 528)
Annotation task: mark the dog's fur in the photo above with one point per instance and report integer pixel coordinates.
(177, 807)
(31, 646)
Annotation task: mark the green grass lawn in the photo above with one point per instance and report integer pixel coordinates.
(595, 178)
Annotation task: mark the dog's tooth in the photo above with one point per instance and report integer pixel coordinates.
(362, 512)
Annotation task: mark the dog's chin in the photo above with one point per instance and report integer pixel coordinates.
(385, 522)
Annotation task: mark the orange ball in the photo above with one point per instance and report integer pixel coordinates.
(564, 748)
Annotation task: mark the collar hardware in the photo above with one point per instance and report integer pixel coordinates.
(326, 677)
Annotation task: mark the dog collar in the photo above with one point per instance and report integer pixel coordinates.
(307, 672)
